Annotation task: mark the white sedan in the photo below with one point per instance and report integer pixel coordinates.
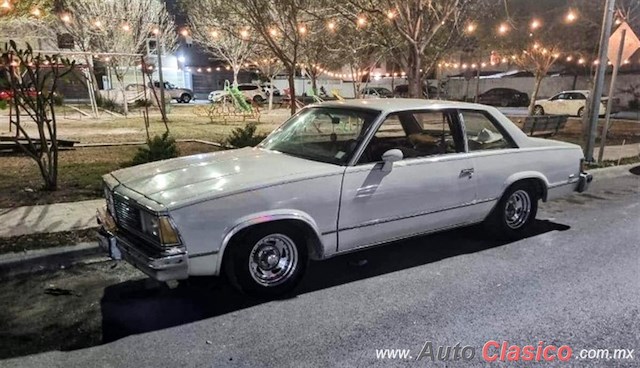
(566, 103)
(335, 178)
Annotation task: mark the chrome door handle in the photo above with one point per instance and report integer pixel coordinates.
(466, 172)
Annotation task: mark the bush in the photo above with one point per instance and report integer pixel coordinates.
(158, 148)
(109, 104)
(245, 137)
(141, 103)
(58, 99)
(634, 104)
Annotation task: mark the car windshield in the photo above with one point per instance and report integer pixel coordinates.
(321, 134)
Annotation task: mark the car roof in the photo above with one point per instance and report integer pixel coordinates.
(388, 105)
(585, 91)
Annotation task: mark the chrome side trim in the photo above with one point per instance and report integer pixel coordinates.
(418, 214)
(397, 238)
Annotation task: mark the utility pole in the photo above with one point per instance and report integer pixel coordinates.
(616, 66)
(163, 107)
(596, 93)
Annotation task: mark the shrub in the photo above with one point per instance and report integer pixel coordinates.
(634, 104)
(58, 99)
(245, 137)
(142, 102)
(109, 104)
(158, 148)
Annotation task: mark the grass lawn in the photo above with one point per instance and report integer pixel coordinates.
(80, 173)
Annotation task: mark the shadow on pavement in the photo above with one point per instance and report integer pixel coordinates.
(142, 306)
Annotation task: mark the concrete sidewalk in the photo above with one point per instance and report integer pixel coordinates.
(615, 153)
(49, 218)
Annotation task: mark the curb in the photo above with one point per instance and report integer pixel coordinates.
(13, 264)
(612, 172)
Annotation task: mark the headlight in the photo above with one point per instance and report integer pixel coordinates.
(159, 227)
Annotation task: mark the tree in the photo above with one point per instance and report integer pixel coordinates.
(281, 25)
(269, 65)
(30, 21)
(220, 32)
(33, 80)
(423, 30)
(91, 24)
(318, 51)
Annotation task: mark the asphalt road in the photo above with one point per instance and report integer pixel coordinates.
(575, 281)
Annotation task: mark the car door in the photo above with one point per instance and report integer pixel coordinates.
(557, 105)
(487, 143)
(429, 189)
(575, 102)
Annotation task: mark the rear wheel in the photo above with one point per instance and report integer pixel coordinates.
(538, 110)
(515, 212)
(581, 112)
(185, 98)
(267, 261)
(258, 99)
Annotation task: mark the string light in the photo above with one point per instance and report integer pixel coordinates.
(185, 32)
(361, 21)
(97, 23)
(391, 14)
(503, 29)
(244, 33)
(65, 18)
(273, 32)
(571, 16)
(471, 28)
(126, 28)
(156, 31)
(214, 34)
(6, 4)
(302, 29)
(331, 26)
(36, 12)
(535, 24)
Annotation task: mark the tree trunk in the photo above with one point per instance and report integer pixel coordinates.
(271, 94)
(292, 87)
(314, 83)
(236, 71)
(534, 94)
(413, 75)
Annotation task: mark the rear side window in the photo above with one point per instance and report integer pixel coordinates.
(483, 133)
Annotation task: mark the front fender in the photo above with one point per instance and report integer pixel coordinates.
(261, 218)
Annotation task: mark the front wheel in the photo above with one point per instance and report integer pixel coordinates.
(267, 261)
(581, 112)
(538, 110)
(514, 213)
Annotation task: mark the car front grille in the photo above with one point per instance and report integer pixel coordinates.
(127, 215)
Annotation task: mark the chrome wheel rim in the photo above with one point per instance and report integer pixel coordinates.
(518, 209)
(273, 260)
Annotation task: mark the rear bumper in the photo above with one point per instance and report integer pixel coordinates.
(584, 181)
(166, 265)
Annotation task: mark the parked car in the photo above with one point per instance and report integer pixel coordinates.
(184, 95)
(253, 92)
(504, 97)
(402, 90)
(337, 177)
(7, 94)
(217, 96)
(267, 88)
(567, 103)
(376, 92)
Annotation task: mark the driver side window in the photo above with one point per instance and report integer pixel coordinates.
(416, 134)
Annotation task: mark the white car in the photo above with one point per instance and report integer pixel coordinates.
(267, 88)
(251, 92)
(335, 178)
(566, 103)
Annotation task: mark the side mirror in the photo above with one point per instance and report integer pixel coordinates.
(390, 157)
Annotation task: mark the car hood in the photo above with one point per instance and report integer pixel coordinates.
(186, 180)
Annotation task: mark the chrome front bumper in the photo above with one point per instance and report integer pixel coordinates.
(165, 265)
(583, 182)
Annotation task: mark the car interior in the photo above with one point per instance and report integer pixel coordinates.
(418, 134)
